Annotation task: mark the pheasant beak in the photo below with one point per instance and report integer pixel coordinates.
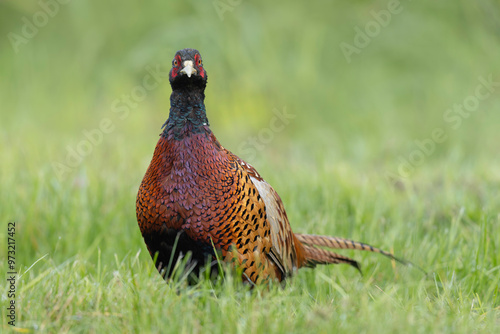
(188, 68)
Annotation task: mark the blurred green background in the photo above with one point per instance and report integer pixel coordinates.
(335, 164)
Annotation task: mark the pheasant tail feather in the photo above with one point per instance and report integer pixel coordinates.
(316, 255)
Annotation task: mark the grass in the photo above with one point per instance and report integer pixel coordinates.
(83, 266)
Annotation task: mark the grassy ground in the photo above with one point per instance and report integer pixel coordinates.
(370, 152)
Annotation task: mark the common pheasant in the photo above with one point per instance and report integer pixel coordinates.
(198, 198)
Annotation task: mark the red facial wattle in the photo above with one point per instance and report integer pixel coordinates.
(177, 67)
(199, 67)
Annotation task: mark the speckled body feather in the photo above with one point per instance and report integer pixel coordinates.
(199, 198)
(197, 187)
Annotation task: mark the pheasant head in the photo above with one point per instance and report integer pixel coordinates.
(187, 71)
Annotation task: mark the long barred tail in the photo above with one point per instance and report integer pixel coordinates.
(316, 255)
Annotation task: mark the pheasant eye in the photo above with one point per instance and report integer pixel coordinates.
(199, 62)
(176, 62)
